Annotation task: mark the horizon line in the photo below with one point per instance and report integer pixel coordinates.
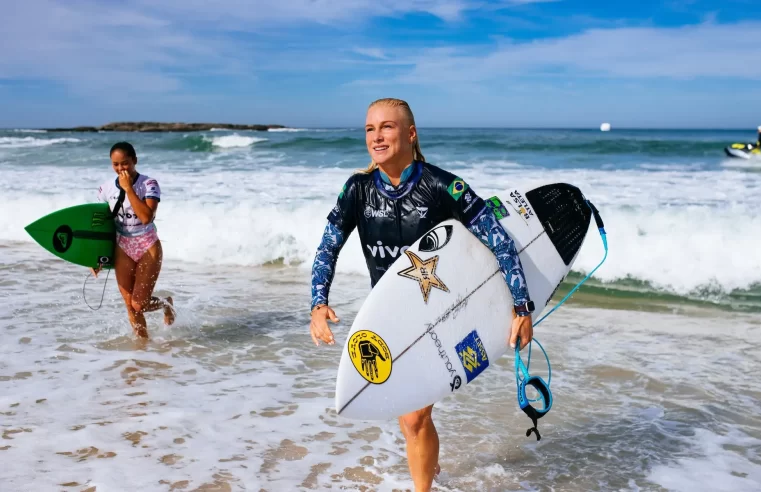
(346, 127)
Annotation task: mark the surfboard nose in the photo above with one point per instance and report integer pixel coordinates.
(81, 234)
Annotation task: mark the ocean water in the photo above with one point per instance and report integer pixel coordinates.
(653, 359)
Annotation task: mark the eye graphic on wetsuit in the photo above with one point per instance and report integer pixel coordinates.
(436, 239)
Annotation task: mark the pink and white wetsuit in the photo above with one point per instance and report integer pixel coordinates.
(132, 236)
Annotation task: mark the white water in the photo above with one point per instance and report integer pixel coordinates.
(235, 140)
(27, 142)
(679, 230)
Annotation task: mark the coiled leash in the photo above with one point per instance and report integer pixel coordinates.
(522, 376)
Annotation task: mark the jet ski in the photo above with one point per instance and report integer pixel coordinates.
(743, 151)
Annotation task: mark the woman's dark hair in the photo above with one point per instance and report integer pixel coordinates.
(125, 147)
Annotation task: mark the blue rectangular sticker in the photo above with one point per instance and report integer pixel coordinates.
(472, 354)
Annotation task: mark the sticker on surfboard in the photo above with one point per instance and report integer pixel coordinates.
(521, 206)
(371, 356)
(499, 209)
(472, 355)
(436, 238)
(424, 272)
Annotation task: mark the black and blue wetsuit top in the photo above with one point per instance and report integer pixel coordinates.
(390, 218)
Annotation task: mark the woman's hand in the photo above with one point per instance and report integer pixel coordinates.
(522, 327)
(318, 327)
(145, 208)
(125, 180)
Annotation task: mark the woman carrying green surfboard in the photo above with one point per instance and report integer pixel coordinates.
(133, 199)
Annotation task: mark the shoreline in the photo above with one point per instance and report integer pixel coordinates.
(153, 126)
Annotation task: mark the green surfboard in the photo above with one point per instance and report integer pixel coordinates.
(82, 234)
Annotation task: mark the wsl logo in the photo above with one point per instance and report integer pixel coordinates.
(374, 213)
(383, 251)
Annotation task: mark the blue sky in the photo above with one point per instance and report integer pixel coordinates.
(310, 63)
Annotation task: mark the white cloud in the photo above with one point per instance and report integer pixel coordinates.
(99, 48)
(705, 50)
(508, 3)
(247, 14)
(370, 53)
(141, 46)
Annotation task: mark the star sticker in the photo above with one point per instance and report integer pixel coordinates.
(425, 273)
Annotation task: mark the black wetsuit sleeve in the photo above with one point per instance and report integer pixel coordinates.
(344, 215)
(470, 209)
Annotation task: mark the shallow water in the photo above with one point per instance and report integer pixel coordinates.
(653, 359)
(235, 396)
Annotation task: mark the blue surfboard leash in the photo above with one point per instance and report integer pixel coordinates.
(522, 376)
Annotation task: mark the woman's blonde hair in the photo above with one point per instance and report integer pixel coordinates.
(398, 103)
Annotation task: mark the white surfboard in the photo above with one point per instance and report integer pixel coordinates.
(441, 314)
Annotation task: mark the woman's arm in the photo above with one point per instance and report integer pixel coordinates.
(144, 209)
(471, 210)
(487, 228)
(323, 268)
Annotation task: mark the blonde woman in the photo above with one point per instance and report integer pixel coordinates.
(397, 185)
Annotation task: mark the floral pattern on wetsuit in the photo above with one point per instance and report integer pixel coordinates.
(486, 228)
(324, 265)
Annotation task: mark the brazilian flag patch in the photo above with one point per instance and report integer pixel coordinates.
(343, 188)
(499, 209)
(457, 188)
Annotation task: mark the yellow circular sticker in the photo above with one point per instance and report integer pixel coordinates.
(370, 356)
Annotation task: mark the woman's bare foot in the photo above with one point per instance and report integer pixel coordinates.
(140, 343)
(168, 311)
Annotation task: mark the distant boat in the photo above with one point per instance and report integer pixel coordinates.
(605, 127)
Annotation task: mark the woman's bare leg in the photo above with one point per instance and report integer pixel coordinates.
(146, 276)
(422, 447)
(125, 269)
